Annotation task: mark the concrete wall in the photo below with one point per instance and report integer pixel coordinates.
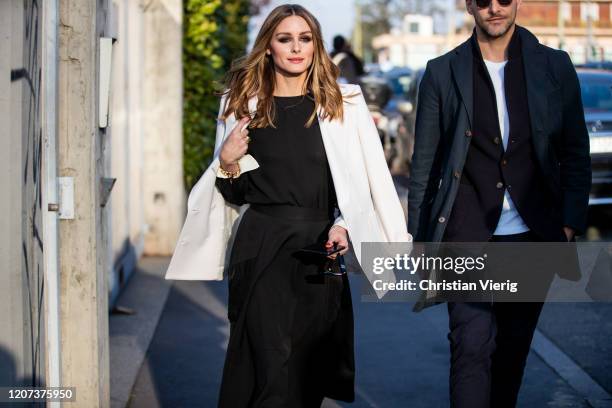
(163, 189)
(147, 202)
(84, 239)
(142, 148)
(126, 138)
(22, 357)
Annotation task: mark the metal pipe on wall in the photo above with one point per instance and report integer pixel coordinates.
(50, 193)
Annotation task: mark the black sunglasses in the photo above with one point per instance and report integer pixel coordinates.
(487, 3)
(335, 267)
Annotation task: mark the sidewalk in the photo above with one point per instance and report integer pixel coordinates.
(131, 335)
(402, 357)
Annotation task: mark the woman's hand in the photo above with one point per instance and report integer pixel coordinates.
(339, 236)
(569, 233)
(235, 145)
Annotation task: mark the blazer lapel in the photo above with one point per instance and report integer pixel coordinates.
(332, 134)
(323, 126)
(461, 66)
(536, 82)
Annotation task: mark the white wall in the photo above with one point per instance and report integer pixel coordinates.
(22, 351)
(148, 199)
(424, 24)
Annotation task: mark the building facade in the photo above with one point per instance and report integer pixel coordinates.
(91, 170)
(22, 246)
(582, 28)
(412, 45)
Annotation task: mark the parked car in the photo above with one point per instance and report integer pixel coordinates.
(377, 93)
(596, 90)
(607, 65)
(409, 111)
(372, 68)
(398, 79)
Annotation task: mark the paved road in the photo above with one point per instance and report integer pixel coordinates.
(402, 357)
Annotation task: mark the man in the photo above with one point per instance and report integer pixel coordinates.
(502, 155)
(351, 67)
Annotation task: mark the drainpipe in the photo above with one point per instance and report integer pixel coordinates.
(50, 193)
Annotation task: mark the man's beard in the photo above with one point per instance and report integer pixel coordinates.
(493, 34)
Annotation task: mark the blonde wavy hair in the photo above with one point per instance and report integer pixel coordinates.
(253, 75)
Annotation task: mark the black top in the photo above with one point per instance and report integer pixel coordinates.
(293, 168)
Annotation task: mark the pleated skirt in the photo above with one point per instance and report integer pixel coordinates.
(291, 327)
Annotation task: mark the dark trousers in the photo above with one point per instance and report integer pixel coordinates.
(489, 345)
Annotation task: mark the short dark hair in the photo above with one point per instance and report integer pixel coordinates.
(339, 42)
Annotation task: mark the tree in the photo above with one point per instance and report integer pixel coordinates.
(375, 20)
(215, 32)
(380, 16)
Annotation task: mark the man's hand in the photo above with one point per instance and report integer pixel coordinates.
(339, 236)
(569, 233)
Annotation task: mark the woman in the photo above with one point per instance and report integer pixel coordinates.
(299, 156)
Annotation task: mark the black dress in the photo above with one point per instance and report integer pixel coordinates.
(291, 328)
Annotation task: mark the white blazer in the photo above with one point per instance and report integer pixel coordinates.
(368, 202)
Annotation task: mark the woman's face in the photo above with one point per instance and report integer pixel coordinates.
(292, 46)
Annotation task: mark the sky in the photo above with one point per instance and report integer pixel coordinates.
(335, 17)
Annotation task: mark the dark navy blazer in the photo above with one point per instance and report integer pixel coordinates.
(444, 132)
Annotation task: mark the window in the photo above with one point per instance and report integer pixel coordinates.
(566, 11)
(413, 28)
(589, 10)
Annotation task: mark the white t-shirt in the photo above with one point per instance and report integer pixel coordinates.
(510, 222)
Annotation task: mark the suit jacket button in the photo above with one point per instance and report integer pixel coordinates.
(468, 133)
(441, 220)
(500, 184)
(497, 140)
(457, 174)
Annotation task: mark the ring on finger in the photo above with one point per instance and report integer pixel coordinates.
(247, 139)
